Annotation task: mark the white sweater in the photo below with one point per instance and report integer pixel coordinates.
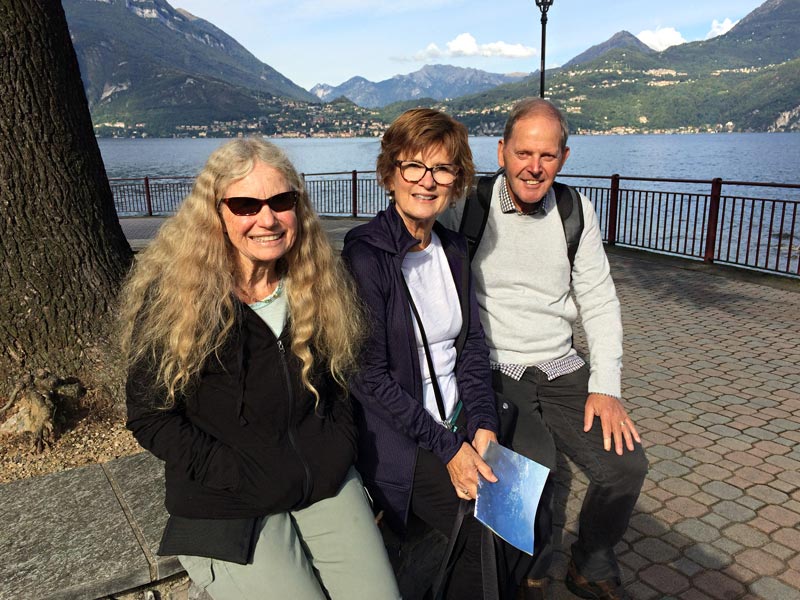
(522, 278)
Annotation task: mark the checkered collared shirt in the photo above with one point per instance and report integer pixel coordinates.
(551, 368)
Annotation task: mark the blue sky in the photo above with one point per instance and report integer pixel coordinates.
(330, 41)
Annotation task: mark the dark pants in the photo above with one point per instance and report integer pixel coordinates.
(434, 501)
(550, 417)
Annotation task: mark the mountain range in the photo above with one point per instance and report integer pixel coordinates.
(149, 68)
(431, 81)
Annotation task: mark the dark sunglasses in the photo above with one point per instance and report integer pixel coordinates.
(242, 206)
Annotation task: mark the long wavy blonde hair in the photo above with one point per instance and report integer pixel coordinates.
(178, 305)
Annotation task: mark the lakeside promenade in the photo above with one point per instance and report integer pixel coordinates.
(711, 378)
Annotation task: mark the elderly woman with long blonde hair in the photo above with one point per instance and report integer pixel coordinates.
(240, 329)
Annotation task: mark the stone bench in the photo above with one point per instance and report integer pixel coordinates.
(84, 533)
(93, 532)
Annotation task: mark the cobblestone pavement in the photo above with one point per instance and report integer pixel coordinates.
(712, 380)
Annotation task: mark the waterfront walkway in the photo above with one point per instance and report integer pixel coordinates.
(711, 378)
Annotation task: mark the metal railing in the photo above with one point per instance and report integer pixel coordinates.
(692, 218)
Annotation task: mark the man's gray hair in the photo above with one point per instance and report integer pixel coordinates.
(533, 106)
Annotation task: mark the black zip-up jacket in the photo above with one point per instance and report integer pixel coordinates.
(246, 441)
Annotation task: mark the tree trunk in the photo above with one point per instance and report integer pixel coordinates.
(63, 251)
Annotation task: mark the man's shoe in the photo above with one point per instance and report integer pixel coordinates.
(532, 589)
(604, 589)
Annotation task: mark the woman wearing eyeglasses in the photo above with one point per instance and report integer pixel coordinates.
(425, 409)
(240, 329)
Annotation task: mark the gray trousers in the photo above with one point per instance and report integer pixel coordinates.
(332, 549)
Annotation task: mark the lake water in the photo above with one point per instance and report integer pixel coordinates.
(763, 157)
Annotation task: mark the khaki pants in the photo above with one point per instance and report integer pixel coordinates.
(333, 544)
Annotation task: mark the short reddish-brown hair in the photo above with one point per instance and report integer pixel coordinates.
(421, 129)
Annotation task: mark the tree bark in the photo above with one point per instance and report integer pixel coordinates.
(63, 251)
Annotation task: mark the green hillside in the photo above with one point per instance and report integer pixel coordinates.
(745, 80)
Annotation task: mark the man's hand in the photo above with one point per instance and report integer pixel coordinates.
(482, 439)
(464, 468)
(614, 421)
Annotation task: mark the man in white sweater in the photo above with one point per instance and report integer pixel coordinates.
(523, 280)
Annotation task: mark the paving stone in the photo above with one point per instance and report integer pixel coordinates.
(779, 550)
(740, 573)
(791, 477)
(722, 490)
(687, 507)
(735, 444)
(788, 536)
(760, 562)
(662, 451)
(760, 433)
(664, 579)
(746, 535)
(670, 468)
(694, 594)
(746, 459)
(661, 494)
(791, 577)
(715, 419)
(762, 525)
(698, 530)
(655, 550)
(689, 428)
(754, 475)
(727, 546)
(724, 430)
(772, 447)
(633, 560)
(750, 502)
(768, 494)
(780, 516)
(719, 585)
(769, 587)
(640, 591)
(645, 504)
(784, 462)
(679, 487)
(733, 511)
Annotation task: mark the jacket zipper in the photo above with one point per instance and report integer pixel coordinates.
(290, 427)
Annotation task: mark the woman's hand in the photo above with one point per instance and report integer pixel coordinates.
(482, 439)
(464, 468)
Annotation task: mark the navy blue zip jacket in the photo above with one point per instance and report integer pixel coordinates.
(390, 414)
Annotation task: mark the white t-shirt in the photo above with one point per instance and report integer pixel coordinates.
(430, 281)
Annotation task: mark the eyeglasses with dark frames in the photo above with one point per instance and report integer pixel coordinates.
(413, 171)
(244, 206)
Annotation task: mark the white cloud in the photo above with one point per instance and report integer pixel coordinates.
(662, 38)
(466, 45)
(718, 28)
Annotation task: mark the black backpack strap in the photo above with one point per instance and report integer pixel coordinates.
(476, 212)
(571, 213)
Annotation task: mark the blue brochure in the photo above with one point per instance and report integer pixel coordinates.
(508, 507)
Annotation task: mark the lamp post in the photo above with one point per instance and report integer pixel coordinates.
(543, 5)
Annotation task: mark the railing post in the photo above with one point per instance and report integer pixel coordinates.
(613, 209)
(713, 220)
(148, 200)
(354, 194)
